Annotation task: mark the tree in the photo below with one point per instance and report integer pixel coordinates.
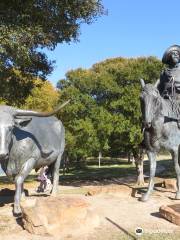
(43, 97)
(15, 87)
(106, 98)
(87, 124)
(27, 27)
(118, 91)
(122, 100)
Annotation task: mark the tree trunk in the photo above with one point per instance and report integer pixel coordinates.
(129, 157)
(99, 158)
(65, 162)
(133, 161)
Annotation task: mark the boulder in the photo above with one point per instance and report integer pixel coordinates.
(112, 189)
(170, 184)
(58, 216)
(171, 213)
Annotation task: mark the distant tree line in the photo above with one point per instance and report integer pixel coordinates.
(104, 115)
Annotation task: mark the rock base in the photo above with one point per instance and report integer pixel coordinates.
(170, 184)
(58, 216)
(95, 190)
(171, 213)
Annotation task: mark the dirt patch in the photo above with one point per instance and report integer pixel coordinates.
(120, 214)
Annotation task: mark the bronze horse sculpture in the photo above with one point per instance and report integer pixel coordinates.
(160, 118)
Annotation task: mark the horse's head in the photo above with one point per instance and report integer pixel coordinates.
(150, 102)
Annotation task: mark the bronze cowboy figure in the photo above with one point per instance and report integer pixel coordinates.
(160, 105)
(169, 86)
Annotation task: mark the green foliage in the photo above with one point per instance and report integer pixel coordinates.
(104, 114)
(15, 86)
(43, 97)
(27, 27)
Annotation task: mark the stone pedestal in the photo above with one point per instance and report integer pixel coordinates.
(171, 213)
(170, 184)
(58, 216)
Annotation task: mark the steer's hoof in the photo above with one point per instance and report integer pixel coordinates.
(177, 196)
(144, 197)
(17, 211)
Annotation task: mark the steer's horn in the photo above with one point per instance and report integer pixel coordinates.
(157, 83)
(39, 114)
(142, 83)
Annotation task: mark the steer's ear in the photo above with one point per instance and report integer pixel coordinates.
(22, 122)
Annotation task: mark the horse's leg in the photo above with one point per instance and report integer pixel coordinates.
(19, 179)
(152, 159)
(177, 169)
(22, 191)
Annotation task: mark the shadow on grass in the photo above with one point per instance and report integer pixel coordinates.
(6, 180)
(165, 168)
(92, 175)
(122, 174)
(7, 189)
(6, 196)
(169, 171)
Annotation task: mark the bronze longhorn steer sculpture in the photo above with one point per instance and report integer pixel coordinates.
(29, 140)
(160, 117)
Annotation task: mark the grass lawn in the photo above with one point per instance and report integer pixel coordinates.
(110, 169)
(93, 172)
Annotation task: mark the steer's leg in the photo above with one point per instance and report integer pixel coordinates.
(152, 159)
(56, 175)
(177, 169)
(57, 164)
(26, 168)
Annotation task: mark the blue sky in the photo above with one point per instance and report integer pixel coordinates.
(132, 28)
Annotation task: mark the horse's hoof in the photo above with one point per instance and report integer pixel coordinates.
(177, 196)
(144, 197)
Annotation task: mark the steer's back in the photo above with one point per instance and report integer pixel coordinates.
(48, 132)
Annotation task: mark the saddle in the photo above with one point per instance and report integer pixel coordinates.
(175, 102)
